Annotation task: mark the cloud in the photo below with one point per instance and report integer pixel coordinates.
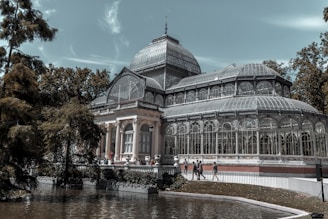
(49, 12)
(37, 3)
(71, 49)
(110, 20)
(97, 60)
(212, 62)
(300, 23)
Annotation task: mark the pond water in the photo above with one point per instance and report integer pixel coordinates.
(48, 202)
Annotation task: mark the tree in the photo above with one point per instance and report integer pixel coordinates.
(19, 138)
(21, 23)
(70, 129)
(68, 125)
(20, 107)
(58, 85)
(311, 83)
(278, 67)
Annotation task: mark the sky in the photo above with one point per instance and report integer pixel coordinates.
(106, 34)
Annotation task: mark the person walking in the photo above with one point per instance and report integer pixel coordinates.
(200, 170)
(194, 170)
(186, 166)
(215, 171)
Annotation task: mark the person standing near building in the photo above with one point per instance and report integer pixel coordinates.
(185, 166)
(215, 171)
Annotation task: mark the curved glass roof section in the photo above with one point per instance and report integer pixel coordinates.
(231, 71)
(239, 104)
(150, 82)
(164, 50)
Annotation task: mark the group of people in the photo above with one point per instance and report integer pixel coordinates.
(198, 169)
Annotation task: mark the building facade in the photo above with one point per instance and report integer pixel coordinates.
(242, 117)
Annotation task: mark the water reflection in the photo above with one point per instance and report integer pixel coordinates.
(49, 202)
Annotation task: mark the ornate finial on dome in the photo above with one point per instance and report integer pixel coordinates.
(165, 25)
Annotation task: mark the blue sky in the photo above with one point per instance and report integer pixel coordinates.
(106, 34)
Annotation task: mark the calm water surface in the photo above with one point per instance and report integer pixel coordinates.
(49, 203)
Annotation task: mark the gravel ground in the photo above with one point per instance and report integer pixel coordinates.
(260, 193)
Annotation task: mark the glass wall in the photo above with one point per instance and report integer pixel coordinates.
(247, 136)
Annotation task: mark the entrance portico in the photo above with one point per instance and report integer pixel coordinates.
(134, 135)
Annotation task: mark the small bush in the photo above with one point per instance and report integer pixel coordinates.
(134, 177)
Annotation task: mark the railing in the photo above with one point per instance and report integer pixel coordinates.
(249, 158)
(158, 169)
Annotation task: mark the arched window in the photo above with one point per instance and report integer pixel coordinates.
(169, 99)
(307, 144)
(145, 138)
(278, 88)
(252, 145)
(227, 139)
(215, 92)
(307, 125)
(247, 131)
(286, 92)
(179, 98)
(202, 94)
(289, 123)
(228, 90)
(265, 145)
(292, 147)
(320, 127)
(195, 139)
(264, 87)
(149, 97)
(127, 88)
(169, 140)
(268, 123)
(209, 138)
(191, 96)
(128, 139)
(320, 139)
(159, 100)
(181, 139)
(246, 88)
(292, 144)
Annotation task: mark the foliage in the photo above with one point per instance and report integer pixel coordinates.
(43, 111)
(141, 178)
(312, 78)
(19, 95)
(280, 68)
(173, 182)
(59, 85)
(21, 23)
(70, 128)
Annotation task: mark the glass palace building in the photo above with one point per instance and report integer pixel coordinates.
(242, 117)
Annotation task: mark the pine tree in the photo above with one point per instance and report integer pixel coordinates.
(20, 107)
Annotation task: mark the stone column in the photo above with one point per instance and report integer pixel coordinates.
(279, 142)
(108, 141)
(117, 141)
(216, 142)
(301, 143)
(237, 143)
(135, 146)
(121, 144)
(156, 138)
(188, 140)
(258, 142)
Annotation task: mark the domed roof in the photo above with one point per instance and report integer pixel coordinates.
(164, 50)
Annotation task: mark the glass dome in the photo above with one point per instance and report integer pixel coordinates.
(164, 50)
